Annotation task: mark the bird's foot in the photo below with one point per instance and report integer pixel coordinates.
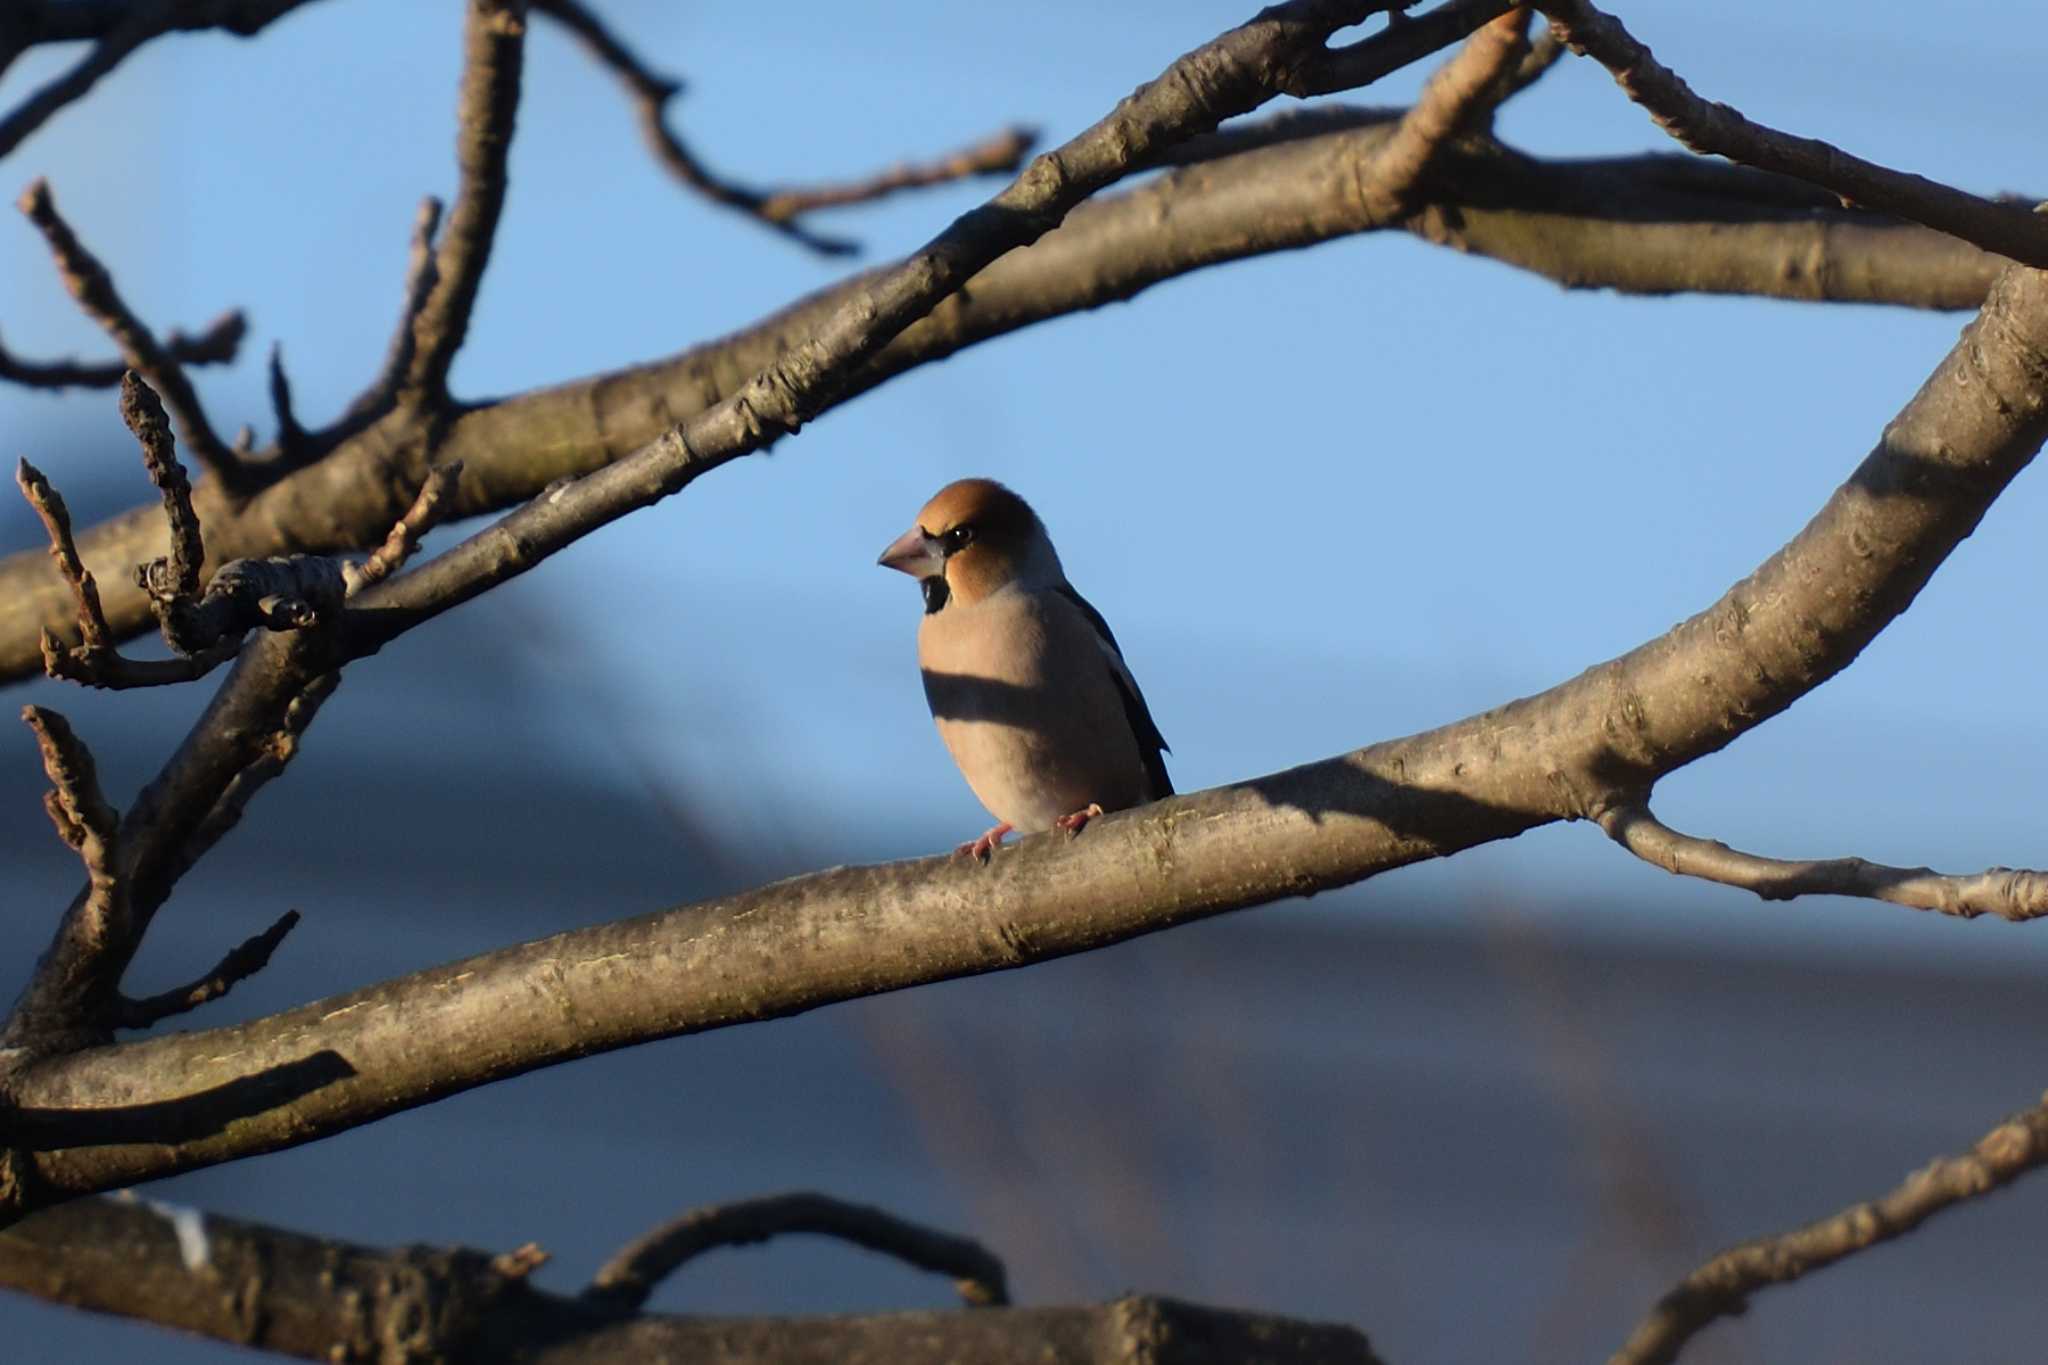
(1075, 823)
(980, 849)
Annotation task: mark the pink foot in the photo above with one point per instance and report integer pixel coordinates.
(1078, 821)
(980, 849)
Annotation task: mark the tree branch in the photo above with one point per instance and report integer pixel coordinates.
(217, 345)
(317, 1299)
(493, 44)
(241, 963)
(629, 1277)
(90, 283)
(2010, 893)
(1717, 130)
(1000, 153)
(1463, 91)
(1656, 224)
(1801, 617)
(115, 28)
(1722, 1287)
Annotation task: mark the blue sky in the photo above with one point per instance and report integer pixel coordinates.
(1273, 478)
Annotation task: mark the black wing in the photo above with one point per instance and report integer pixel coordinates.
(1152, 746)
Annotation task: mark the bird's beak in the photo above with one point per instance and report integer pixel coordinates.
(914, 553)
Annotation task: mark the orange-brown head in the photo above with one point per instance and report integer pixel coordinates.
(974, 538)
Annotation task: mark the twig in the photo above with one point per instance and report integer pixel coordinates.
(217, 345)
(1721, 1287)
(56, 519)
(629, 1277)
(1543, 54)
(428, 507)
(291, 437)
(1462, 92)
(2014, 894)
(91, 284)
(1718, 130)
(83, 818)
(178, 574)
(117, 30)
(241, 963)
(487, 107)
(1000, 153)
(420, 278)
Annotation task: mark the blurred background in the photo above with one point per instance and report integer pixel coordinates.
(1484, 1109)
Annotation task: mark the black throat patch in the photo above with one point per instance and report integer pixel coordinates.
(935, 592)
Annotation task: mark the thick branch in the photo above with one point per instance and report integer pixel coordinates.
(628, 1278)
(1796, 621)
(324, 1300)
(91, 284)
(1642, 224)
(217, 345)
(493, 45)
(1718, 130)
(1002, 153)
(1722, 1287)
(2014, 894)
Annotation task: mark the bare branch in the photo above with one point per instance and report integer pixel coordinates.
(217, 345)
(1803, 615)
(1722, 1287)
(428, 507)
(116, 29)
(93, 287)
(1645, 224)
(493, 46)
(1399, 44)
(322, 1299)
(86, 822)
(241, 963)
(628, 1278)
(1718, 130)
(2010, 893)
(56, 519)
(176, 576)
(1000, 153)
(1461, 93)
(420, 279)
(291, 437)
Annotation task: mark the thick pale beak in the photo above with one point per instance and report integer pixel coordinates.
(914, 553)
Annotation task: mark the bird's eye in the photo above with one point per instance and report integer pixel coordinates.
(957, 539)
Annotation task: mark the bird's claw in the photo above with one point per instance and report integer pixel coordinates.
(981, 849)
(1075, 823)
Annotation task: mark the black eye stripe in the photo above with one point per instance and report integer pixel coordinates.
(957, 539)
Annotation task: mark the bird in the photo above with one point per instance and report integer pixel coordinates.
(1025, 681)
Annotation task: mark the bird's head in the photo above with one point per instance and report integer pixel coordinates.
(974, 538)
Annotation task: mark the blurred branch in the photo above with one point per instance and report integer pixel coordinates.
(91, 284)
(629, 1277)
(115, 28)
(1798, 619)
(324, 1300)
(217, 345)
(1000, 153)
(487, 107)
(1405, 40)
(2010, 893)
(1722, 1287)
(1717, 130)
(1647, 224)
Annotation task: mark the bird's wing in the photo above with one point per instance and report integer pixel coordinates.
(1152, 746)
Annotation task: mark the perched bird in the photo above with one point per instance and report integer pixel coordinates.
(1029, 689)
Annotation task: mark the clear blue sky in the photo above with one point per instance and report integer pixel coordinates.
(1273, 478)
